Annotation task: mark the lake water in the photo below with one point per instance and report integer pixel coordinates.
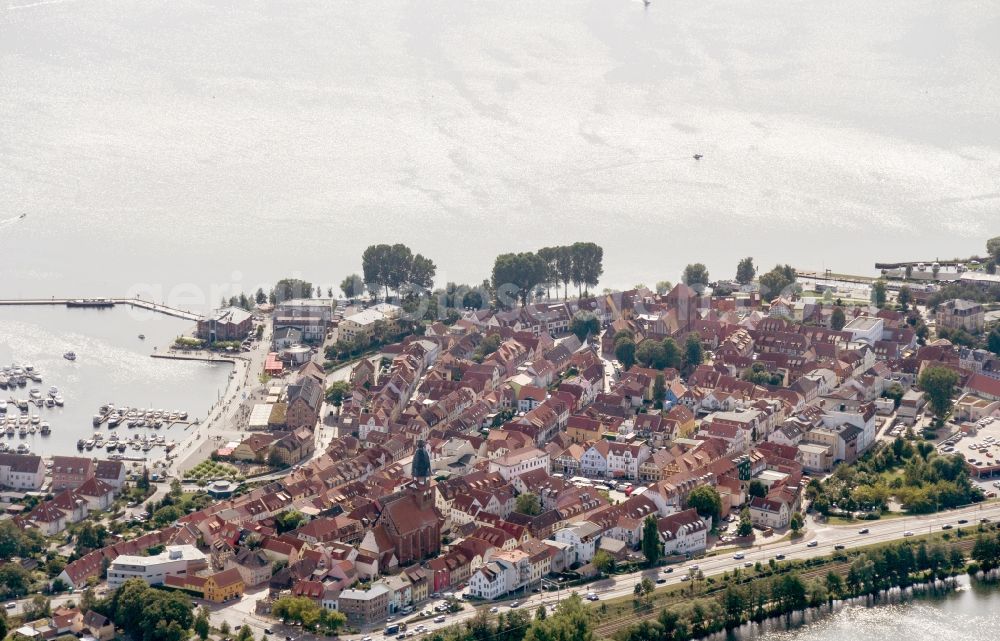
(112, 365)
(187, 148)
(970, 614)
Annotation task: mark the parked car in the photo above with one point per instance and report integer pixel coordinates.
(812, 544)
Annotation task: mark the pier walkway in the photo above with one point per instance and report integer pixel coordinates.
(107, 302)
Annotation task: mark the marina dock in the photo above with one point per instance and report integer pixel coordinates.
(103, 303)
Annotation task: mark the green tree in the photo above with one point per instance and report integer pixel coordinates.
(201, 625)
(705, 499)
(879, 293)
(993, 341)
(15, 581)
(671, 354)
(693, 352)
(337, 391)
(649, 353)
(291, 288)
(905, 297)
(745, 527)
(838, 318)
(745, 271)
(625, 352)
(796, 522)
(696, 274)
(993, 249)
(584, 324)
(663, 286)
(659, 391)
(652, 549)
(37, 607)
(938, 384)
(353, 286)
(777, 281)
(603, 561)
(529, 504)
(757, 489)
(289, 520)
(90, 536)
(515, 276)
(588, 265)
(895, 392)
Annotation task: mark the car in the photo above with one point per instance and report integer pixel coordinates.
(494, 610)
(839, 547)
(963, 521)
(685, 578)
(739, 556)
(11, 605)
(748, 564)
(984, 520)
(439, 619)
(267, 631)
(366, 638)
(668, 570)
(947, 526)
(864, 530)
(515, 604)
(661, 581)
(780, 557)
(592, 596)
(694, 567)
(812, 544)
(907, 533)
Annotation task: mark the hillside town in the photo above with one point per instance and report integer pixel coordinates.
(508, 452)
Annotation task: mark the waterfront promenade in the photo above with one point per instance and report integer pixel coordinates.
(229, 412)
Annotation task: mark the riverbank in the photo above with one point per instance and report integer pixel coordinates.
(704, 605)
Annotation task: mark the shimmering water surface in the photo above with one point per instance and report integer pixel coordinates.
(970, 614)
(224, 142)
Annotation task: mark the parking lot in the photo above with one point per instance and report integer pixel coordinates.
(981, 451)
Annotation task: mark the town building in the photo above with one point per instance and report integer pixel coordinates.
(228, 324)
(961, 314)
(21, 472)
(175, 560)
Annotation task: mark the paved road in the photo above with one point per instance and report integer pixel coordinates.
(825, 536)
